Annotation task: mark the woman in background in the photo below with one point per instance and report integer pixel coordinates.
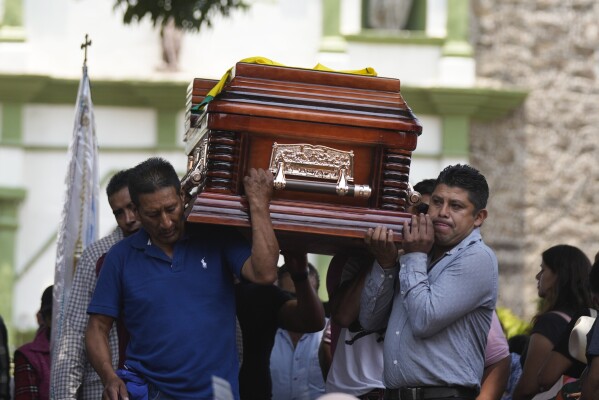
(560, 362)
(563, 287)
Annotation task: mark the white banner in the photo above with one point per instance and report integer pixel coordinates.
(79, 220)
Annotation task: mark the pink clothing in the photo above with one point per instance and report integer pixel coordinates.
(497, 347)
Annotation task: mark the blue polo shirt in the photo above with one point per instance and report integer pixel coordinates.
(180, 312)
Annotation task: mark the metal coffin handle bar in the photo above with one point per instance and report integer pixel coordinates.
(341, 188)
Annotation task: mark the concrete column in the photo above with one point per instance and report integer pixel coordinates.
(457, 67)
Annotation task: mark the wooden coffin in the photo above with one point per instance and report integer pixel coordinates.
(339, 145)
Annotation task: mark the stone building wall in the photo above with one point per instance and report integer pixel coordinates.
(542, 161)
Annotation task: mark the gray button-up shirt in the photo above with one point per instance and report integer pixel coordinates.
(438, 316)
(73, 377)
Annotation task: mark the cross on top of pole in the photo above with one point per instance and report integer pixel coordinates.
(84, 46)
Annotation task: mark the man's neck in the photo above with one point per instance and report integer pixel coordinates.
(168, 249)
(438, 252)
(128, 233)
(295, 337)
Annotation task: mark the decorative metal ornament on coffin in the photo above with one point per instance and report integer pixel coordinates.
(338, 145)
(316, 162)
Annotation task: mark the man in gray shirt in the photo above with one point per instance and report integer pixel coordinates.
(438, 298)
(72, 376)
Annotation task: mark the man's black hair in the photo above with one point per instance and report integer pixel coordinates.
(118, 181)
(151, 175)
(46, 302)
(425, 186)
(467, 178)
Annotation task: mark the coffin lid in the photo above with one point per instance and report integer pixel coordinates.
(312, 95)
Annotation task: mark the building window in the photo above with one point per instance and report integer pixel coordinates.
(394, 15)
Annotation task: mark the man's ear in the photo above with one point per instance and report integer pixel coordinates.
(480, 217)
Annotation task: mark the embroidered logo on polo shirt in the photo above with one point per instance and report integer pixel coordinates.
(204, 263)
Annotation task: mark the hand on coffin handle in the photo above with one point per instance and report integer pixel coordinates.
(258, 186)
(379, 242)
(265, 247)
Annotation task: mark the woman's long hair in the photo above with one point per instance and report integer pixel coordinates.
(572, 288)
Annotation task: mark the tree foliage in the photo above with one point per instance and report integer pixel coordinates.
(512, 325)
(189, 15)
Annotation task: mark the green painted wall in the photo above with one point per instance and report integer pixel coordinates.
(12, 123)
(331, 15)
(13, 13)
(169, 97)
(456, 105)
(456, 136)
(10, 199)
(417, 18)
(166, 135)
(11, 24)
(458, 29)
(166, 98)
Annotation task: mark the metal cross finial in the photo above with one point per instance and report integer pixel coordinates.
(84, 46)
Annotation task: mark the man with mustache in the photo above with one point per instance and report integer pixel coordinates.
(436, 300)
(173, 285)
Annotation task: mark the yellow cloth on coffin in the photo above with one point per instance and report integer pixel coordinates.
(368, 71)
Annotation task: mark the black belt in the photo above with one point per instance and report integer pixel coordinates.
(374, 394)
(430, 392)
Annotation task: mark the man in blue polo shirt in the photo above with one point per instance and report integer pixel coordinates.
(173, 285)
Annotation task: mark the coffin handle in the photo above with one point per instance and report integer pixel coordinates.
(414, 197)
(341, 188)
